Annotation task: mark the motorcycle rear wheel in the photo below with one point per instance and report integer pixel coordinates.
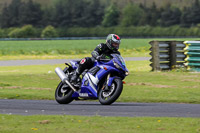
(110, 96)
(63, 94)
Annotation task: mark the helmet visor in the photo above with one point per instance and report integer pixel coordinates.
(115, 45)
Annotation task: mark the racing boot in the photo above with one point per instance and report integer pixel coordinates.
(75, 77)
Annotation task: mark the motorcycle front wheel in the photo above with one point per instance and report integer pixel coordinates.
(63, 94)
(107, 97)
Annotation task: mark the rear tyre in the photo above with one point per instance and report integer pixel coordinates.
(63, 94)
(107, 97)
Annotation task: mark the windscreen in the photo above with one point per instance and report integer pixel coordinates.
(120, 58)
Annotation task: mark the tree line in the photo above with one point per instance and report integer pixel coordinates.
(63, 13)
(92, 14)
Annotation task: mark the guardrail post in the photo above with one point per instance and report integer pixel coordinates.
(172, 55)
(155, 56)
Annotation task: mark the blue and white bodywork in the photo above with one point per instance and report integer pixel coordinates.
(89, 87)
(100, 78)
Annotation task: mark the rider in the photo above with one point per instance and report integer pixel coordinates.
(102, 51)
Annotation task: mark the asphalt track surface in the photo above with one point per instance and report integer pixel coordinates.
(53, 61)
(88, 108)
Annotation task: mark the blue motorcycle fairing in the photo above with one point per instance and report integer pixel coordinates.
(90, 82)
(74, 64)
(85, 90)
(89, 86)
(120, 61)
(123, 67)
(102, 72)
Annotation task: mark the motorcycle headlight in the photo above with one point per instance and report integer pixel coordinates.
(127, 73)
(117, 65)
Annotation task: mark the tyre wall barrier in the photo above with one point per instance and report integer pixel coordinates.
(167, 55)
(192, 52)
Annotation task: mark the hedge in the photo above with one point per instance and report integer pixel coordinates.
(27, 31)
(143, 31)
(49, 32)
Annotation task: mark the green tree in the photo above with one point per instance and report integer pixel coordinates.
(13, 10)
(131, 15)
(60, 15)
(30, 13)
(151, 15)
(48, 32)
(191, 15)
(10, 14)
(5, 17)
(26, 31)
(186, 19)
(195, 12)
(84, 13)
(2, 33)
(92, 14)
(47, 18)
(15, 33)
(68, 12)
(154, 15)
(170, 16)
(21, 13)
(111, 17)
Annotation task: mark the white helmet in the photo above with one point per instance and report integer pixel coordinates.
(113, 41)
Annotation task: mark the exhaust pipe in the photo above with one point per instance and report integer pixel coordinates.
(63, 77)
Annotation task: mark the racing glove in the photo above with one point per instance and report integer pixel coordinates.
(98, 58)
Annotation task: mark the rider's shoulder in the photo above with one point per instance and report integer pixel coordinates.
(101, 45)
(118, 52)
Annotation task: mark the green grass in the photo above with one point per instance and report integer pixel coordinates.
(40, 81)
(64, 49)
(49, 49)
(59, 46)
(96, 124)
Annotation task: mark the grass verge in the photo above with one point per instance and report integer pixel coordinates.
(97, 124)
(61, 48)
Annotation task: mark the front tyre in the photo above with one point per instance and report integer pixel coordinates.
(63, 94)
(107, 97)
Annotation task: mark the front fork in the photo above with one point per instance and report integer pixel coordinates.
(109, 81)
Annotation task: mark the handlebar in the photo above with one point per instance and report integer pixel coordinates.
(104, 60)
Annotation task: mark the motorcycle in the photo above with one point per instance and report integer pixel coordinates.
(104, 81)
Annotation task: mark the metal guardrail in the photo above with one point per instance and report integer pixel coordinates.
(192, 50)
(167, 55)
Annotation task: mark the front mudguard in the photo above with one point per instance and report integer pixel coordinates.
(110, 80)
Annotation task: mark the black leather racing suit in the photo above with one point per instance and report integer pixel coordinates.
(101, 50)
